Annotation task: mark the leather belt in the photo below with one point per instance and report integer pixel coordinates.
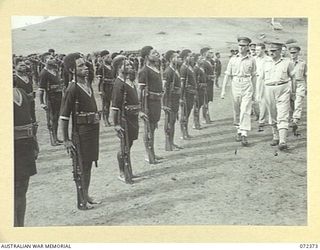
(23, 132)
(155, 95)
(276, 83)
(88, 118)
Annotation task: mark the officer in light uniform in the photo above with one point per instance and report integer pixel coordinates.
(261, 57)
(278, 75)
(300, 72)
(241, 70)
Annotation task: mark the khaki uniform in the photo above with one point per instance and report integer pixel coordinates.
(260, 89)
(300, 73)
(241, 70)
(277, 79)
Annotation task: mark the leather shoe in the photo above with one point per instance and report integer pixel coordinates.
(244, 141)
(238, 137)
(274, 142)
(283, 146)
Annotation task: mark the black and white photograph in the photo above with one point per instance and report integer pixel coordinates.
(144, 121)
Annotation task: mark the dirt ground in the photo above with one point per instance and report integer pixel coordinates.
(212, 181)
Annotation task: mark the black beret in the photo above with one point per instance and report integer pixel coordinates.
(51, 50)
(169, 54)
(204, 50)
(145, 51)
(104, 52)
(184, 53)
(69, 61)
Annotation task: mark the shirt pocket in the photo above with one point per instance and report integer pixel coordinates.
(247, 68)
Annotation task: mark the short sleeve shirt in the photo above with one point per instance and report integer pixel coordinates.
(300, 70)
(150, 77)
(119, 88)
(87, 102)
(170, 76)
(277, 72)
(47, 79)
(187, 74)
(241, 66)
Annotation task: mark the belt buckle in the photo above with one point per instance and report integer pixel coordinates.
(29, 132)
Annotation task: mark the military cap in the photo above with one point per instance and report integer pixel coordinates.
(69, 61)
(104, 52)
(275, 46)
(244, 40)
(169, 54)
(252, 45)
(113, 55)
(145, 51)
(184, 53)
(294, 48)
(116, 62)
(51, 50)
(204, 50)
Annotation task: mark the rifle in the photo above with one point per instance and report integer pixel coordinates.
(147, 127)
(124, 139)
(49, 120)
(167, 111)
(77, 163)
(197, 104)
(205, 108)
(183, 106)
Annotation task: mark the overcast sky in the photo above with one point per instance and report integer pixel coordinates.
(22, 21)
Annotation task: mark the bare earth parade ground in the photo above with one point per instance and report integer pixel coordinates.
(212, 181)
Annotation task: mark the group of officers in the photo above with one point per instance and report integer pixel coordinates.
(142, 86)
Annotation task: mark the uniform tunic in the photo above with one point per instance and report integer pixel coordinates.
(24, 149)
(188, 76)
(120, 87)
(300, 73)
(201, 77)
(51, 83)
(260, 88)
(28, 88)
(241, 70)
(171, 77)
(209, 70)
(276, 77)
(106, 81)
(89, 133)
(152, 79)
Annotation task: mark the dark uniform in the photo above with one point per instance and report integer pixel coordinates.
(24, 153)
(105, 88)
(125, 99)
(201, 84)
(150, 80)
(50, 82)
(209, 70)
(25, 83)
(189, 84)
(87, 123)
(172, 82)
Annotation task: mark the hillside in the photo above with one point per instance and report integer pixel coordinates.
(87, 34)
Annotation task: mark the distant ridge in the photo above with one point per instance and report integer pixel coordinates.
(88, 34)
